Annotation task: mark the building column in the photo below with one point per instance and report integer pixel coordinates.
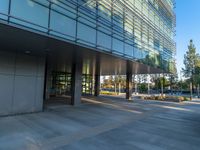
(76, 87)
(45, 95)
(129, 74)
(97, 77)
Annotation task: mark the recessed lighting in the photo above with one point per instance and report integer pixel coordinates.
(27, 52)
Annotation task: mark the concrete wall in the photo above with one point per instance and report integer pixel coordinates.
(21, 83)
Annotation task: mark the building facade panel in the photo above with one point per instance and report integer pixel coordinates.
(21, 83)
(6, 89)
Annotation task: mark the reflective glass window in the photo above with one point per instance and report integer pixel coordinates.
(86, 34)
(105, 29)
(104, 10)
(87, 19)
(4, 8)
(62, 24)
(144, 53)
(129, 50)
(137, 53)
(30, 11)
(66, 7)
(103, 40)
(87, 12)
(118, 45)
(157, 59)
(156, 44)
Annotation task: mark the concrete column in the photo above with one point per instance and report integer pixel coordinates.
(77, 67)
(129, 73)
(45, 82)
(97, 77)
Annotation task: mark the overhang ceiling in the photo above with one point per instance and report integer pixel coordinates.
(16, 39)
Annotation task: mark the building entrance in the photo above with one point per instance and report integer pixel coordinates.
(61, 84)
(87, 84)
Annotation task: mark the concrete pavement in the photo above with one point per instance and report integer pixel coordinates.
(105, 123)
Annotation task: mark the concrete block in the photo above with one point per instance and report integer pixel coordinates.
(39, 93)
(7, 63)
(24, 94)
(26, 65)
(6, 92)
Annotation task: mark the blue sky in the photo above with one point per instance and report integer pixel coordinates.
(187, 27)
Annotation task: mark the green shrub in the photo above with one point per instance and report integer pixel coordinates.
(186, 99)
(158, 98)
(143, 97)
(167, 98)
(180, 98)
(108, 93)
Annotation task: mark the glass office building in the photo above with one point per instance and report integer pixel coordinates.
(141, 31)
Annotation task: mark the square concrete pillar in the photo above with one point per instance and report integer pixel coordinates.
(129, 74)
(97, 77)
(76, 90)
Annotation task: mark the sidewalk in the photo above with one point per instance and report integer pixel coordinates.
(105, 123)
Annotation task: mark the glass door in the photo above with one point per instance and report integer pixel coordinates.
(87, 84)
(61, 83)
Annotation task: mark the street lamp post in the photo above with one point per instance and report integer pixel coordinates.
(191, 91)
(181, 83)
(162, 86)
(192, 82)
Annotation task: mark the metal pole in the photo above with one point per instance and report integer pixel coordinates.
(115, 84)
(181, 83)
(136, 86)
(148, 84)
(191, 91)
(119, 87)
(162, 86)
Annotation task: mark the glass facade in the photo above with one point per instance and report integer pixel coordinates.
(142, 30)
(60, 84)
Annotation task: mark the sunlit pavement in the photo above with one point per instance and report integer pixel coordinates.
(105, 123)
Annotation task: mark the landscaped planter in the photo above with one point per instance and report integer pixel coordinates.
(165, 98)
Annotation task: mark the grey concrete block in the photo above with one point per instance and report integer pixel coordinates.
(24, 94)
(39, 93)
(26, 65)
(7, 63)
(6, 91)
(41, 66)
(21, 83)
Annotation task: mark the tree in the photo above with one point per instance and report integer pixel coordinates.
(120, 82)
(183, 85)
(192, 64)
(173, 81)
(143, 88)
(161, 81)
(114, 83)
